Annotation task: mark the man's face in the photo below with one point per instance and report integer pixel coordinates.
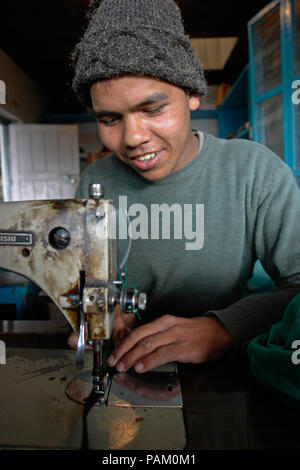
(146, 123)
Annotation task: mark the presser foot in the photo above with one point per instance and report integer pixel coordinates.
(82, 387)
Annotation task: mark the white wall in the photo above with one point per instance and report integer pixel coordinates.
(210, 126)
(89, 139)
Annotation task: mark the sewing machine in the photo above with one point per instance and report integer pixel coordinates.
(69, 249)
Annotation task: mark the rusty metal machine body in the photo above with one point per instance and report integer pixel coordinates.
(66, 248)
(69, 248)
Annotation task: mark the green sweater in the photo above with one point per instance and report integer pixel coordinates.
(251, 207)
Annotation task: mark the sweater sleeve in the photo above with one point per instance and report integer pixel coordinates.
(255, 314)
(277, 246)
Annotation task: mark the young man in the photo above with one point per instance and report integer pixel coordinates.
(138, 72)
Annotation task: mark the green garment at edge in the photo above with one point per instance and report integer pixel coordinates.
(275, 356)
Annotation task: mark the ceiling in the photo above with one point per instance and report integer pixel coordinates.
(40, 36)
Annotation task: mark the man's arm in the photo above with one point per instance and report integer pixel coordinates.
(202, 339)
(255, 314)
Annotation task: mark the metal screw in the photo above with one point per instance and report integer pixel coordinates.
(95, 191)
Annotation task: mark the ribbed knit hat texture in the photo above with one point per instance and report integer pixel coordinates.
(135, 37)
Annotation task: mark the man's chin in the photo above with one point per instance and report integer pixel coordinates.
(150, 175)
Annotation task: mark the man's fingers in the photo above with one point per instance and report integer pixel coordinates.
(157, 326)
(72, 341)
(141, 349)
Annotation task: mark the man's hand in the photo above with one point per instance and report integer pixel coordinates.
(170, 338)
(73, 341)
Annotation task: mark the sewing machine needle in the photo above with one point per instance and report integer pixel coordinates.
(80, 346)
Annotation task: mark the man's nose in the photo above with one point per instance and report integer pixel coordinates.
(135, 132)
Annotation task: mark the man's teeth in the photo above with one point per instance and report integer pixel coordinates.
(143, 158)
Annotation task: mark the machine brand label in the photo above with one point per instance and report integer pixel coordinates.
(15, 238)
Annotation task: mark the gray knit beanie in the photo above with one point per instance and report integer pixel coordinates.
(135, 37)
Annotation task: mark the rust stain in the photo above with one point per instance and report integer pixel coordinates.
(59, 204)
(73, 290)
(50, 255)
(72, 314)
(96, 325)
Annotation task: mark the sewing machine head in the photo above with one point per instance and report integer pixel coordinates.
(69, 249)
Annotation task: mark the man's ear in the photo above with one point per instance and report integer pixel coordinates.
(194, 102)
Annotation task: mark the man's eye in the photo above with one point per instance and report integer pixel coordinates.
(108, 122)
(156, 110)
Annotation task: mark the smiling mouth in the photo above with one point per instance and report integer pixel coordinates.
(146, 157)
(146, 161)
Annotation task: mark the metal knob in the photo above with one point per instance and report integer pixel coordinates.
(95, 191)
(131, 300)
